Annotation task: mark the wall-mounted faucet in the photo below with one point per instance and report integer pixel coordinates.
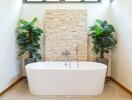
(66, 54)
(111, 1)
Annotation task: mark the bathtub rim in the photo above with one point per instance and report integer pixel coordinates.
(31, 66)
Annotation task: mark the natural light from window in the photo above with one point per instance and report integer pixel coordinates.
(61, 1)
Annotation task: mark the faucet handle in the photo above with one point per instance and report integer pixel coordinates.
(66, 52)
(77, 46)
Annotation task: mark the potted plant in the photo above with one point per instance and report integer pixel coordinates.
(28, 36)
(102, 34)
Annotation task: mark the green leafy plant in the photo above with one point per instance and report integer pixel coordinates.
(28, 38)
(102, 34)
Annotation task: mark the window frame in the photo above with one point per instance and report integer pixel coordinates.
(60, 1)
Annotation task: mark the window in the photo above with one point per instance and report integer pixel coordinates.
(61, 1)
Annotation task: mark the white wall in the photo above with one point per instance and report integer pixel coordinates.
(94, 11)
(121, 11)
(9, 66)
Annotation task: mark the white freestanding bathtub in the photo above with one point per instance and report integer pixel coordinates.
(58, 78)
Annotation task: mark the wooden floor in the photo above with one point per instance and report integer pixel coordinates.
(21, 92)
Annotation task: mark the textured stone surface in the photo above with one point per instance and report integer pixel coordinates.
(65, 29)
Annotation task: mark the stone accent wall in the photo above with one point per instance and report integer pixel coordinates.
(65, 29)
